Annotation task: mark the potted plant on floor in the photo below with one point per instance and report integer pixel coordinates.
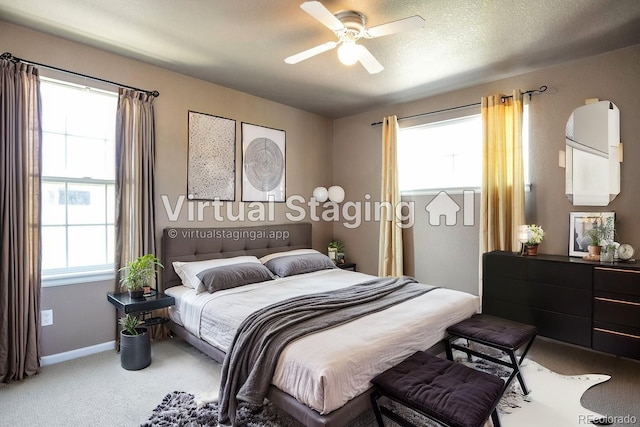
(135, 345)
(139, 273)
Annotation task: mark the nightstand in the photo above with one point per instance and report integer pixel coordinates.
(347, 266)
(155, 300)
(141, 307)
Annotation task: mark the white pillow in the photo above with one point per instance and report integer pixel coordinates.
(269, 257)
(187, 271)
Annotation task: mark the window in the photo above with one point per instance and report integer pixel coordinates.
(441, 155)
(78, 179)
(447, 155)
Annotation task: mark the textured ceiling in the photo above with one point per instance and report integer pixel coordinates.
(241, 44)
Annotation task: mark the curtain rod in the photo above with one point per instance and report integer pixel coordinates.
(12, 58)
(542, 89)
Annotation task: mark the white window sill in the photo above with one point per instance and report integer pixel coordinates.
(77, 278)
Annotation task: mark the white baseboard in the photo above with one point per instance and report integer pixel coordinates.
(74, 354)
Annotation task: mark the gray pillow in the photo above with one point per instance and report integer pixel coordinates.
(290, 265)
(232, 276)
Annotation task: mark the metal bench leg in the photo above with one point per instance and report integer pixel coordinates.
(495, 418)
(516, 371)
(447, 348)
(376, 409)
(517, 363)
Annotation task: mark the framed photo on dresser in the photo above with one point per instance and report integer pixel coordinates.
(581, 225)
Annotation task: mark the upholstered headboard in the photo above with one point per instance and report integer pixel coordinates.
(197, 244)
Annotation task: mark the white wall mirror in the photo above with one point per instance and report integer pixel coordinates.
(592, 159)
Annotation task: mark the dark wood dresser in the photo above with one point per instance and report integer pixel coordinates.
(591, 304)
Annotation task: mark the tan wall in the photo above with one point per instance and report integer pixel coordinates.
(448, 256)
(308, 151)
(442, 256)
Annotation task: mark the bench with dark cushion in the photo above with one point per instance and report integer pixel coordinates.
(505, 335)
(450, 393)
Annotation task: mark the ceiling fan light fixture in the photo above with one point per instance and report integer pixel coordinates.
(348, 53)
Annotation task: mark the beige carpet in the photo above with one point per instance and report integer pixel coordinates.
(96, 391)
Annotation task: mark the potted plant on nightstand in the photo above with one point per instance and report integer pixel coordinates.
(336, 251)
(135, 345)
(137, 274)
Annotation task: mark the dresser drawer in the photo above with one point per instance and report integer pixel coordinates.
(615, 280)
(563, 274)
(576, 302)
(504, 264)
(616, 340)
(616, 309)
(559, 326)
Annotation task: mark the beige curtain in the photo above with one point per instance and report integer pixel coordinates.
(502, 206)
(390, 257)
(20, 137)
(135, 159)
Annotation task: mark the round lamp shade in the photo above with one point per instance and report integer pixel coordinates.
(523, 233)
(336, 194)
(320, 194)
(348, 53)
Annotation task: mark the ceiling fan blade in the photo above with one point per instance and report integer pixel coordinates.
(322, 14)
(306, 54)
(368, 61)
(401, 25)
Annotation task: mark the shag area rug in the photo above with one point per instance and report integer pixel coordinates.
(554, 400)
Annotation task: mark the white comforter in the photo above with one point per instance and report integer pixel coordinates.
(326, 369)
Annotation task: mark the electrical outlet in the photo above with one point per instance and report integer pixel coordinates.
(46, 317)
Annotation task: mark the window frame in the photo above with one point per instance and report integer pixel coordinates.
(462, 190)
(90, 273)
(437, 190)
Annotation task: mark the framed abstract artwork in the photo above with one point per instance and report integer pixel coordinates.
(211, 167)
(263, 164)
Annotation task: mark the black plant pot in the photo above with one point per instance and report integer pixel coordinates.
(138, 293)
(135, 350)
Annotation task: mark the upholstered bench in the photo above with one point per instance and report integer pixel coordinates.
(505, 335)
(447, 392)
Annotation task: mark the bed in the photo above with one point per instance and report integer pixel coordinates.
(318, 387)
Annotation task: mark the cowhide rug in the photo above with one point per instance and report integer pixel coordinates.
(554, 401)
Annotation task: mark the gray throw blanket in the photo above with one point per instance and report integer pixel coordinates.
(251, 360)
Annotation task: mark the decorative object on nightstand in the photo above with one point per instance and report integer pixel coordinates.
(135, 345)
(351, 266)
(335, 194)
(138, 274)
(335, 251)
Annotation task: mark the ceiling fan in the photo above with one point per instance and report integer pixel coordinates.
(349, 27)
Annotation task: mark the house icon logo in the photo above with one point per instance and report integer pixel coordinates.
(444, 206)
